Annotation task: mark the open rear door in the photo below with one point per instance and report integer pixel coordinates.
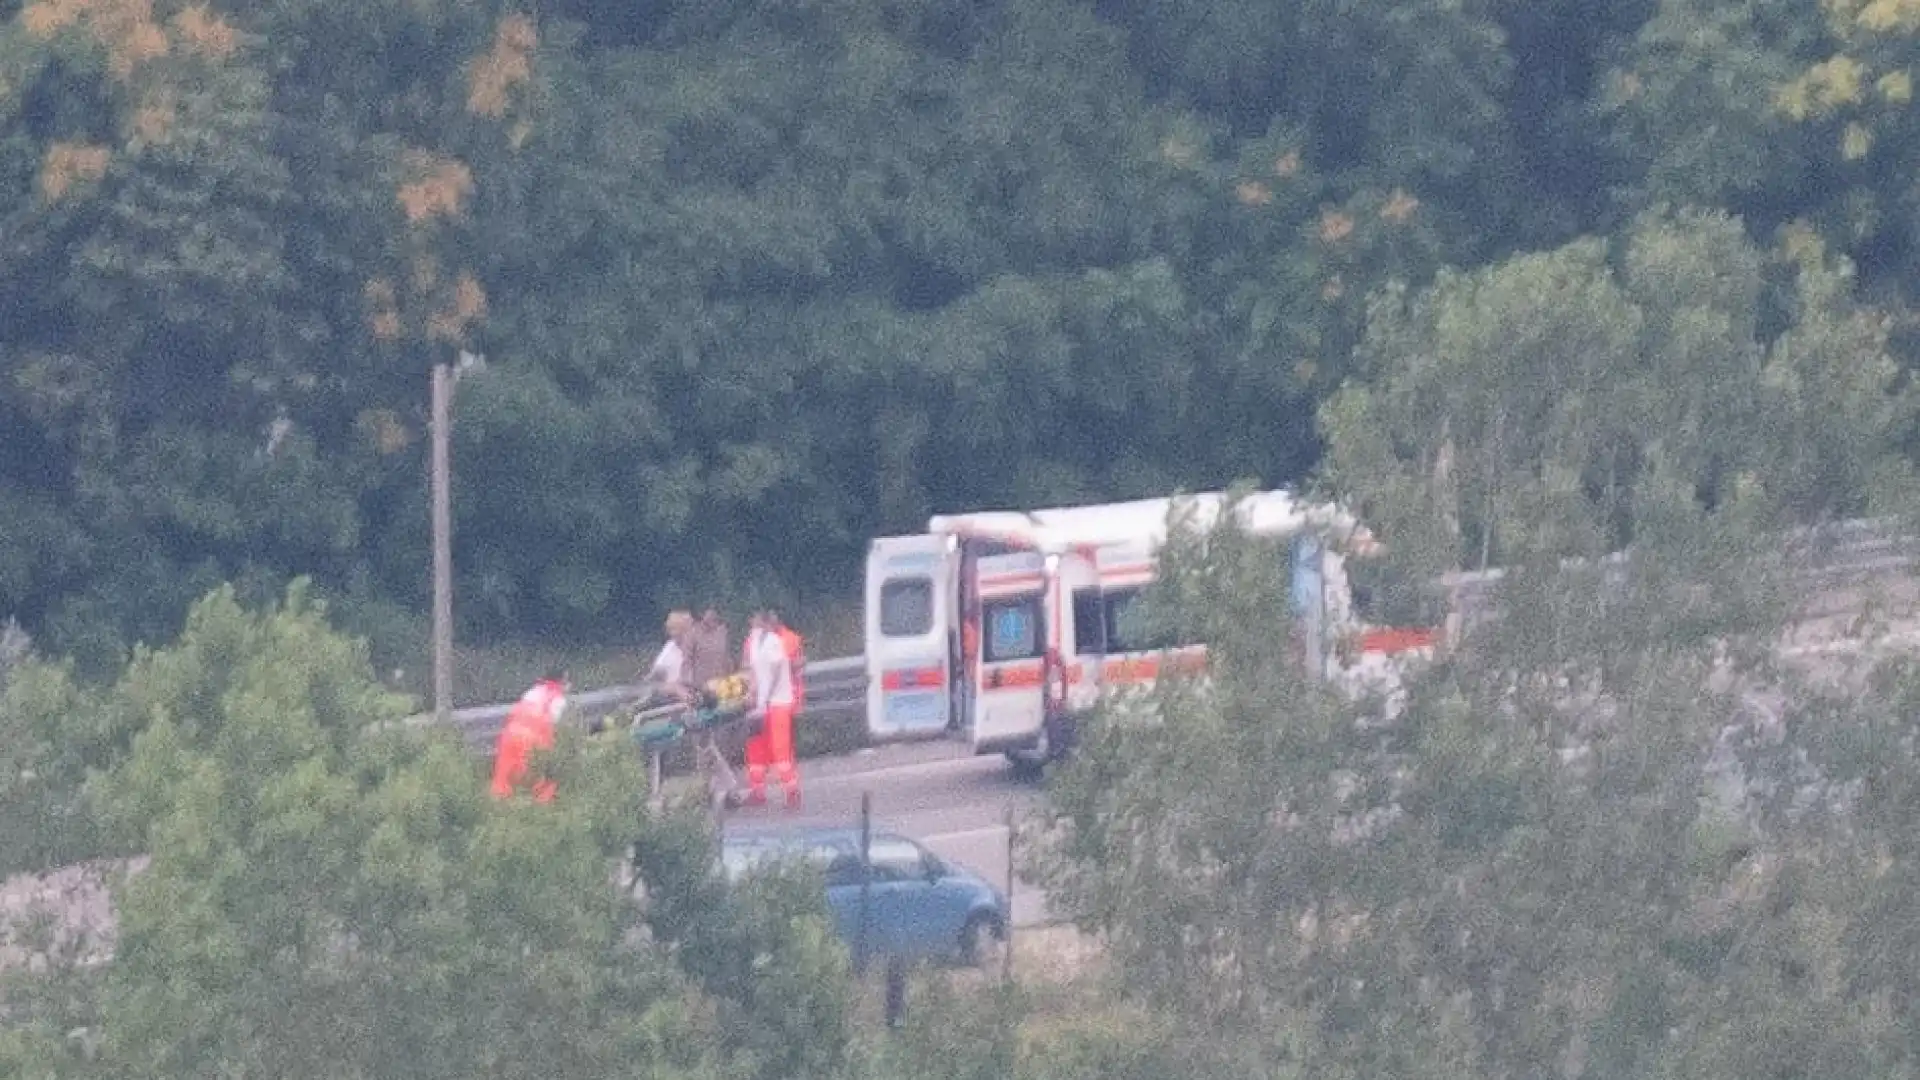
(1009, 696)
(910, 619)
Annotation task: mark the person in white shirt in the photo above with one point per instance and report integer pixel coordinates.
(668, 673)
(772, 748)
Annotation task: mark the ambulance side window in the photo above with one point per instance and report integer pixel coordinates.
(906, 607)
(1012, 629)
(1089, 622)
(1123, 634)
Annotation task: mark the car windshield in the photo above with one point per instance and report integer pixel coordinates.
(895, 857)
(737, 859)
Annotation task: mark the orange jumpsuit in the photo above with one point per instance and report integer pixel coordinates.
(529, 727)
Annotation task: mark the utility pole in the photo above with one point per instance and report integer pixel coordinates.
(442, 544)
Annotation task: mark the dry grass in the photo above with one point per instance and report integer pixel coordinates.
(496, 673)
(1057, 970)
(490, 674)
(1047, 961)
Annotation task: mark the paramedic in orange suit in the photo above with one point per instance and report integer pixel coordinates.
(772, 748)
(529, 727)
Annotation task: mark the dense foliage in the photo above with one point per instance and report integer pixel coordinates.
(331, 896)
(758, 280)
(1613, 830)
(1538, 869)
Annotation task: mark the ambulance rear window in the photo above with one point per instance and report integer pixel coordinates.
(906, 607)
(1013, 629)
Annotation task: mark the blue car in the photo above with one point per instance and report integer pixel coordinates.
(920, 907)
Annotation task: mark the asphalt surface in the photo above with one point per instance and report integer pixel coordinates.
(936, 792)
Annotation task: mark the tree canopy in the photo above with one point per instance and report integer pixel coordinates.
(1526, 284)
(756, 281)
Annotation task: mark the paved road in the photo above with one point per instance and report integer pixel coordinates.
(937, 793)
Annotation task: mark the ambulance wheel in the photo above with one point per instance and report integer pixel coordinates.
(1027, 767)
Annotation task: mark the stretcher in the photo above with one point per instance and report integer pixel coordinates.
(720, 704)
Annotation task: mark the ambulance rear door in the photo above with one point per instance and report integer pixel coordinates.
(911, 623)
(1009, 699)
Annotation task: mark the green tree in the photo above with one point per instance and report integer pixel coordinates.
(1525, 406)
(1519, 873)
(834, 267)
(333, 894)
(1729, 144)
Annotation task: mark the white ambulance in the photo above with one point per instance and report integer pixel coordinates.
(997, 628)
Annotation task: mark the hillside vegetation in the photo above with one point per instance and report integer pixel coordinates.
(1521, 284)
(756, 281)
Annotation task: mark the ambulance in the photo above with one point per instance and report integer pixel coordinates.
(999, 628)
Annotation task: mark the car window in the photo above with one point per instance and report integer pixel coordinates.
(740, 858)
(843, 870)
(895, 859)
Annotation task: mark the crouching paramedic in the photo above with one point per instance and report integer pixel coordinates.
(529, 727)
(772, 748)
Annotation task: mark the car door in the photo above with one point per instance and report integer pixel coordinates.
(955, 895)
(843, 875)
(919, 907)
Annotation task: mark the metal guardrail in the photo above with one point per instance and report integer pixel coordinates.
(1827, 561)
(833, 687)
(1833, 558)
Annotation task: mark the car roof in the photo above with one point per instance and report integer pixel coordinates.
(803, 834)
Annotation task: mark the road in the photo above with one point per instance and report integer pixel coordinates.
(937, 793)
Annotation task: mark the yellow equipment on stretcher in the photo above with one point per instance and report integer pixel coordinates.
(719, 703)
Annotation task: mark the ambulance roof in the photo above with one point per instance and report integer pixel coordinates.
(1266, 513)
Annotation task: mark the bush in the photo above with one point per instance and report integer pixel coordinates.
(329, 897)
(54, 732)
